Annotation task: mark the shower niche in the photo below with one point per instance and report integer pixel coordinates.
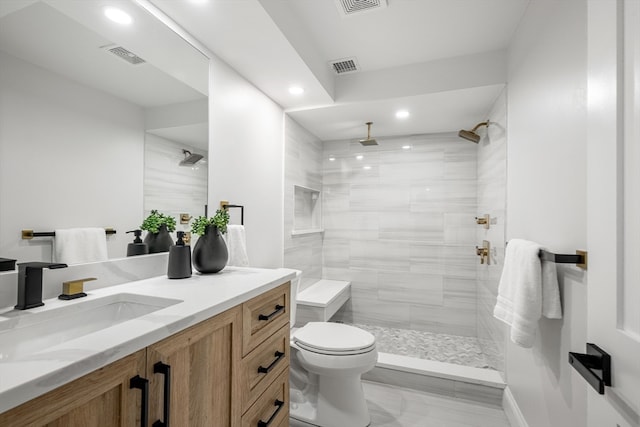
(307, 216)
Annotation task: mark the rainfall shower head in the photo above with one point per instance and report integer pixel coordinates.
(471, 135)
(369, 140)
(190, 159)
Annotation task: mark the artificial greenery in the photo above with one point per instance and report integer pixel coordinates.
(155, 219)
(220, 220)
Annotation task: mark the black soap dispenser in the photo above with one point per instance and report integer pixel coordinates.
(179, 259)
(138, 247)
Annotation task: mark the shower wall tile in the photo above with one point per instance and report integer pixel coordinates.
(410, 228)
(411, 288)
(426, 258)
(303, 167)
(491, 190)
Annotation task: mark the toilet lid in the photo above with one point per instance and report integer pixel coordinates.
(332, 338)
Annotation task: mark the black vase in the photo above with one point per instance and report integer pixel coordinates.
(210, 253)
(160, 241)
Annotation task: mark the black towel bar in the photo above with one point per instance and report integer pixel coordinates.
(30, 234)
(227, 206)
(580, 258)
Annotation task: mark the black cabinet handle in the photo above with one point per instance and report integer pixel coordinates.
(143, 385)
(164, 369)
(262, 370)
(278, 309)
(279, 404)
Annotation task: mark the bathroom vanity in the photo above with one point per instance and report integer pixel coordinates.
(213, 352)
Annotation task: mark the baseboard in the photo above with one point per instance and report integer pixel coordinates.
(512, 410)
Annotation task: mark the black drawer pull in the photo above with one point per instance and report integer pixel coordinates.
(164, 369)
(262, 370)
(143, 385)
(278, 309)
(279, 404)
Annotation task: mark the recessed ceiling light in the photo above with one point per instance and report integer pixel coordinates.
(359, 157)
(366, 167)
(296, 90)
(406, 147)
(331, 159)
(118, 16)
(402, 114)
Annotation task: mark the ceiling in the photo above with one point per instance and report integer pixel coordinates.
(442, 60)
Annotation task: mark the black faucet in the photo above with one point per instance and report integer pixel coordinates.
(30, 283)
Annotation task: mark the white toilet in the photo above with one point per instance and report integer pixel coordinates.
(327, 360)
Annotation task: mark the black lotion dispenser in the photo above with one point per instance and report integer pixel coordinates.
(179, 259)
(138, 247)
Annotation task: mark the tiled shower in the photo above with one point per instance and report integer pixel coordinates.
(399, 223)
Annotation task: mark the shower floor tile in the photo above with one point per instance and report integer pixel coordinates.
(427, 345)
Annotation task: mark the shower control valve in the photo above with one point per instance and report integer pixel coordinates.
(484, 252)
(484, 220)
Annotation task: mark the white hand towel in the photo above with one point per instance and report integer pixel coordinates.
(528, 289)
(237, 246)
(80, 245)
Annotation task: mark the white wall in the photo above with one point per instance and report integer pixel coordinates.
(546, 198)
(246, 154)
(70, 156)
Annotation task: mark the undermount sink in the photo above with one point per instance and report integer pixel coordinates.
(33, 332)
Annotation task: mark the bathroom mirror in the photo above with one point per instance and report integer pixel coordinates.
(95, 119)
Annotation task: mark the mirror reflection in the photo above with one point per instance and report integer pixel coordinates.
(96, 120)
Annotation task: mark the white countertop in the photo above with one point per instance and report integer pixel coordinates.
(201, 297)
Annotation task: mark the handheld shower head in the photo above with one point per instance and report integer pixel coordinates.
(471, 135)
(369, 140)
(190, 159)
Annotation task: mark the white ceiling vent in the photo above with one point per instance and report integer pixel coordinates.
(351, 7)
(124, 54)
(345, 65)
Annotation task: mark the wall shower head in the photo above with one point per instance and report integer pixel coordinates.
(190, 159)
(471, 135)
(369, 140)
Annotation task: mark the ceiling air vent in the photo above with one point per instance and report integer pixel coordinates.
(346, 65)
(125, 55)
(350, 7)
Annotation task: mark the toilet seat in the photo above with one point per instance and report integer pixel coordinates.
(333, 339)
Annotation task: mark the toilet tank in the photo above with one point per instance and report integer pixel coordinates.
(295, 285)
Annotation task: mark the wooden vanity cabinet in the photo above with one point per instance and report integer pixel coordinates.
(223, 372)
(196, 367)
(265, 362)
(101, 398)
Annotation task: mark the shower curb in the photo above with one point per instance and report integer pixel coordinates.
(483, 386)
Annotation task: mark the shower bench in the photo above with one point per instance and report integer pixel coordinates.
(320, 301)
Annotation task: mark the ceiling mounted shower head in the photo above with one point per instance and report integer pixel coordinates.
(190, 159)
(369, 140)
(471, 135)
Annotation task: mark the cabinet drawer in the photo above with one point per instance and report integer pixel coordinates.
(263, 365)
(272, 408)
(263, 316)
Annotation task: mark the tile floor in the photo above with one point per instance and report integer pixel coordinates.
(399, 407)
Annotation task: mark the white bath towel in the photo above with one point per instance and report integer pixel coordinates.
(237, 246)
(80, 245)
(528, 289)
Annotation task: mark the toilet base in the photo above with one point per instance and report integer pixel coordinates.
(332, 402)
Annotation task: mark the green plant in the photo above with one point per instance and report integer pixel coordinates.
(155, 219)
(220, 220)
